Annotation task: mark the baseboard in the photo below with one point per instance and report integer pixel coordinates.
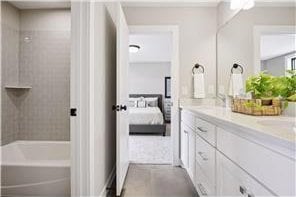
(108, 182)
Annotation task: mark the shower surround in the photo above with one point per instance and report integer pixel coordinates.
(36, 52)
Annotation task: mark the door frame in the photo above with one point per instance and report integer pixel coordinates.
(260, 30)
(81, 83)
(175, 76)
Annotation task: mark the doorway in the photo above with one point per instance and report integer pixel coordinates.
(150, 59)
(172, 102)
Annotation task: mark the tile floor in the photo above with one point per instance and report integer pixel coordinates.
(157, 181)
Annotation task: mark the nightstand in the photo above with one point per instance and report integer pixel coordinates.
(167, 110)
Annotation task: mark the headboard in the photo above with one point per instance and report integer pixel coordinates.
(159, 96)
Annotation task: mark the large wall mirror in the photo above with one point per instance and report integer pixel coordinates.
(261, 38)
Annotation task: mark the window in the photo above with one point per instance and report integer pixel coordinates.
(293, 63)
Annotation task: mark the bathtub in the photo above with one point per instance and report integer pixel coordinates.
(35, 168)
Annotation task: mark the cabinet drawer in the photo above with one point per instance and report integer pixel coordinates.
(202, 183)
(275, 171)
(205, 157)
(188, 118)
(233, 181)
(206, 130)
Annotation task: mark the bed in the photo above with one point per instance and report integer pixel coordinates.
(149, 120)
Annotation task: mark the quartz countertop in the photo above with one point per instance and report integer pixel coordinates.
(279, 128)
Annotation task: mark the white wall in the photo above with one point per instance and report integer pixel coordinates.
(235, 41)
(148, 78)
(197, 29)
(276, 66)
(42, 20)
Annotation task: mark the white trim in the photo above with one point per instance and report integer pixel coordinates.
(258, 31)
(0, 92)
(175, 79)
(109, 182)
(80, 75)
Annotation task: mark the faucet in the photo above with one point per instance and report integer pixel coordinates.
(224, 98)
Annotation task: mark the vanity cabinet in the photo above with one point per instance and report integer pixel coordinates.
(275, 171)
(188, 149)
(191, 155)
(184, 145)
(205, 167)
(233, 181)
(227, 163)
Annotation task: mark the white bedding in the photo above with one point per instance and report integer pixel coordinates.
(147, 115)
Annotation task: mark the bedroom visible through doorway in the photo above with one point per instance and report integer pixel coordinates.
(150, 139)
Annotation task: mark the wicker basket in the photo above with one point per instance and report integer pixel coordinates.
(254, 107)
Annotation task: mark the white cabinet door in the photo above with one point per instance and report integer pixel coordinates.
(275, 171)
(202, 184)
(233, 181)
(191, 155)
(184, 145)
(206, 158)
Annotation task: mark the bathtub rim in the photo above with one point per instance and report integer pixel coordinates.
(35, 163)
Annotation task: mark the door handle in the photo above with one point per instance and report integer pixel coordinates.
(119, 107)
(123, 107)
(202, 130)
(115, 107)
(242, 190)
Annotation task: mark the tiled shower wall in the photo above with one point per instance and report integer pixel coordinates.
(40, 52)
(45, 65)
(10, 69)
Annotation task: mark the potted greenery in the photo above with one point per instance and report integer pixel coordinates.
(265, 87)
(261, 87)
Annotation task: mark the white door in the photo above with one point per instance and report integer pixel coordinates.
(122, 126)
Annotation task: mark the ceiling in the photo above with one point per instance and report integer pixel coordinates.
(40, 4)
(276, 45)
(199, 3)
(47, 4)
(154, 47)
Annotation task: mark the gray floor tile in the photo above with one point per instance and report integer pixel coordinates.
(158, 181)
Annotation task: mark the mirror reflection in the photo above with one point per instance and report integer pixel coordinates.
(277, 53)
(259, 39)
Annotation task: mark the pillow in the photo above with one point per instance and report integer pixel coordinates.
(141, 103)
(152, 101)
(132, 102)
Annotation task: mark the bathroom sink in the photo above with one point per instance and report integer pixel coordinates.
(280, 124)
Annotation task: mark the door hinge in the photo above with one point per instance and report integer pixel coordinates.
(73, 112)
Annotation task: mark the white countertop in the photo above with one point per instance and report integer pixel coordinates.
(278, 128)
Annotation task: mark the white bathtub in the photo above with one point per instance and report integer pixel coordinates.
(35, 168)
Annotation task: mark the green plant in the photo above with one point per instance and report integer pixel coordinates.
(292, 98)
(285, 86)
(265, 85)
(261, 85)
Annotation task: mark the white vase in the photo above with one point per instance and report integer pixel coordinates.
(290, 110)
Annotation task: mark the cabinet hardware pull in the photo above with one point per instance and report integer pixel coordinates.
(202, 130)
(202, 189)
(185, 131)
(203, 157)
(251, 195)
(242, 190)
